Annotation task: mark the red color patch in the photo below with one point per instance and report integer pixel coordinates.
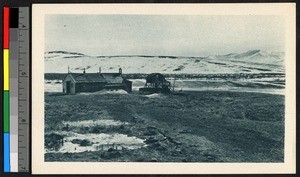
(6, 28)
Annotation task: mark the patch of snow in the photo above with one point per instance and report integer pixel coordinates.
(98, 142)
(103, 92)
(53, 87)
(89, 123)
(154, 95)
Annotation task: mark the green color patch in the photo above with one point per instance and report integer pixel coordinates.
(6, 111)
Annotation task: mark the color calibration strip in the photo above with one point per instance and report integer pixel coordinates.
(10, 88)
(6, 104)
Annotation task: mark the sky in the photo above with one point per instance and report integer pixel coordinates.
(170, 35)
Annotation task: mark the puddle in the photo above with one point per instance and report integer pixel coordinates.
(90, 123)
(73, 142)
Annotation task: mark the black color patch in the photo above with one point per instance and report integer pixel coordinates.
(14, 18)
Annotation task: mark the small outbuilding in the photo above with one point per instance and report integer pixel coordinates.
(156, 83)
(92, 82)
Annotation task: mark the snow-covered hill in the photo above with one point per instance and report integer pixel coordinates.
(62, 54)
(254, 61)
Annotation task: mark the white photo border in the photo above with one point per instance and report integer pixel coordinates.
(39, 166)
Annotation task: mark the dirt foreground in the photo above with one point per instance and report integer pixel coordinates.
(204, 126)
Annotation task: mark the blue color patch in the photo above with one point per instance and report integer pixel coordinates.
(6, 153)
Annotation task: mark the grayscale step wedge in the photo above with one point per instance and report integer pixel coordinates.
(23, 97)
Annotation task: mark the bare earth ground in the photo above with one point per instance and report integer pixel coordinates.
(203, 126)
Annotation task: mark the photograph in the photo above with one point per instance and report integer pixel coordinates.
(164, 88)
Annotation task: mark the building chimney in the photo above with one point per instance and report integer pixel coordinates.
(99, 69)
(120, 70)
(83, 70)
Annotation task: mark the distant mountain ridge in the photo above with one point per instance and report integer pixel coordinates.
(64, 52)
(249, 54)
(57, 53)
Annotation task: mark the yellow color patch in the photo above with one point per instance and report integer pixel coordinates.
(6, 68)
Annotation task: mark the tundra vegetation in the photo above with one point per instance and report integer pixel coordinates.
(200, 126)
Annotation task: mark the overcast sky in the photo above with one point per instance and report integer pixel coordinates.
(163, 34)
